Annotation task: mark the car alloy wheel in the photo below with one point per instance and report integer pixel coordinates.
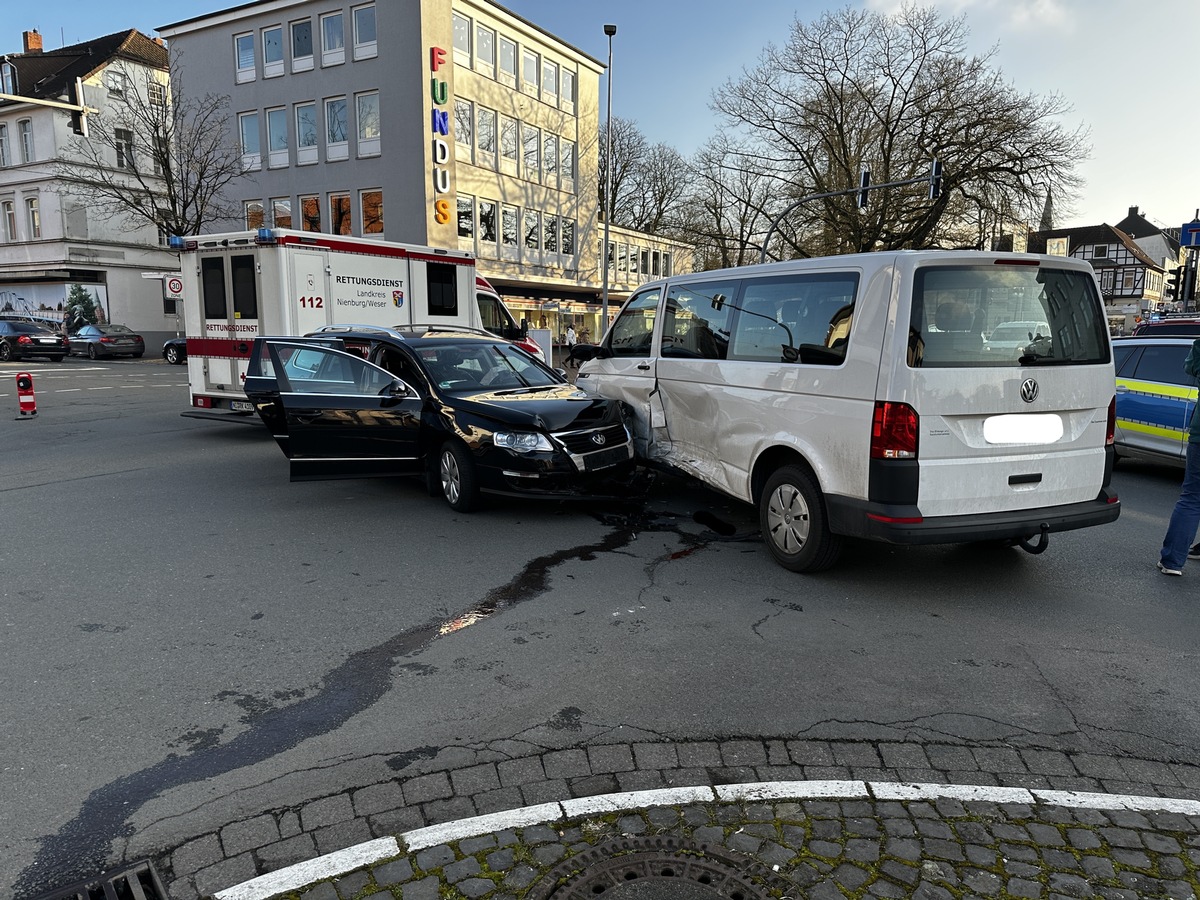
(456, 471)
(172, 355)
(91, 351)
(5, 351)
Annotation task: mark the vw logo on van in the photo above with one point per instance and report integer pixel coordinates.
(1029, 390)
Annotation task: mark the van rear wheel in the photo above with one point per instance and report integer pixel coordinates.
(792, 517)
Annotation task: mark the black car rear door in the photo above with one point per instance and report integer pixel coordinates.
(343, 417)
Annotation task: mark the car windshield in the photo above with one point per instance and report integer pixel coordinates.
(461, 367)
(983, 315)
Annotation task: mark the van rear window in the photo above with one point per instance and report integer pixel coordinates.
(1005, 316)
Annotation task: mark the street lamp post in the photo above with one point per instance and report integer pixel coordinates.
(610, 30)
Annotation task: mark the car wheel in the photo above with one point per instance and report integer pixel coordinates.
(5, 351)
(456, 470)
(91, 351)
(171, 354)
(791, 514)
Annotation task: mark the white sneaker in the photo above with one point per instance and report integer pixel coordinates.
(1168, 571)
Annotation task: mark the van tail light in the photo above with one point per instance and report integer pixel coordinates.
(894, 431)
(1110, 433)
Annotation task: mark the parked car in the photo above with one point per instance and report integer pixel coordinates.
(174, 351)
(1155, 398)
(1011, 338)
(95, 341)
(22, 340)
(471, 412)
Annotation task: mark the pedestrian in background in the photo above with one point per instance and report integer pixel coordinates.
(1185, 518)
(570, 346)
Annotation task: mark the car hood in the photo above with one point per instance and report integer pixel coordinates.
(558, 408)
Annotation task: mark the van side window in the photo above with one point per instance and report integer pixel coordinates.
(633, 331)
(795, 318)
(696, 320)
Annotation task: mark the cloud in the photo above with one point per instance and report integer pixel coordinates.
(1008, 15)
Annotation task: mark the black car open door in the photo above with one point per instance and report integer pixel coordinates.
(333, 413)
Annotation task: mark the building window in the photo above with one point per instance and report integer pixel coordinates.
(340, 220)
(9, 213)
(550, 233)
(254, 215)
(310, 213)
(368, 124)
(123, 142)
(566, 163)
(568, 237)
(666, 264)
(529, 72)
(251, 148)
(34, 217)
(333, 40)
(485, 50)
(1100, 251)
(118, 83)
(281, 212)
(487, 223)
(277, 138)
(567, 90)
(306, 133)
(485, 140)
(156, 93)
(550, 157)
(533, 230)
(244, 51)
(372, 211)
(466, 217)
(272, 41)
(509, 145)
(25, 131)
(531, 138)
(508, 227)
(5, 159)
(336, 130)
(8, 79)
(549, 81)
(463, 128)
(462, 39)
(365, 45)
(302, 45)
(508, 61)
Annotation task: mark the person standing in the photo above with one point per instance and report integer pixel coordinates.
(1185, 517)
(570, 346)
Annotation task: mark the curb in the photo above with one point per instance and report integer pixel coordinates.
(341, 862)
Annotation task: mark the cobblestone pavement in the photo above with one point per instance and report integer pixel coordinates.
(841, 820)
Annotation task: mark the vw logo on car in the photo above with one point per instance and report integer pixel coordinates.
(1029, 390)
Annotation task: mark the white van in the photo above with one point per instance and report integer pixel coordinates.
(855, 396)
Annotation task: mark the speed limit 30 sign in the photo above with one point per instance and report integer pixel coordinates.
(174, 286)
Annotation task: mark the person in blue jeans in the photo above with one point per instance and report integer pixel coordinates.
(1185, 518)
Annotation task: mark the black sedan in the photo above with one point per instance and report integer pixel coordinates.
(22, 340)
(175, 351)
(470, 412)
(95, 341)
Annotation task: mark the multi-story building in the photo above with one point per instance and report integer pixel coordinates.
(452, 123)
(50, 237)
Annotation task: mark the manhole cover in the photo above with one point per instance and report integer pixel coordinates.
(655, 869)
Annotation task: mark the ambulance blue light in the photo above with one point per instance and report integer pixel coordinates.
(175, 242)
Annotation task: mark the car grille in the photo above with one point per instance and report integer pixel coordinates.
(596, 448)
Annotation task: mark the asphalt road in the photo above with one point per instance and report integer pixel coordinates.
(188, 638)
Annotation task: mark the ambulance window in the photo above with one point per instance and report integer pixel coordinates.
(443, 289)
(245, 291)
(212, 277)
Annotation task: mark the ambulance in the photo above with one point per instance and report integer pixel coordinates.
(275, 282)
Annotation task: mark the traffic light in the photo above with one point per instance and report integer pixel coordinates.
(864, 185)
(1171, 289)
(935, 179)
(79, 123)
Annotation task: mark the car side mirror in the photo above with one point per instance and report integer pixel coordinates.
(398, 389)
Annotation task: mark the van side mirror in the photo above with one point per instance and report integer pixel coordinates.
(584, 352)
(718, 301)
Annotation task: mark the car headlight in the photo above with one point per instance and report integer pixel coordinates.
(522, 441)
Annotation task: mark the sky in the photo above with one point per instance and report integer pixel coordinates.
(1126, 69)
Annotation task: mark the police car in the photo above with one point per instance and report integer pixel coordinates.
(1155, 398)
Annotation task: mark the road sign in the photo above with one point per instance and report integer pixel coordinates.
(175, 286)
(1189, 234)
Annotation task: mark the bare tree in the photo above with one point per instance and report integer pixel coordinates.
(860, 90)
(628, 149)
(158, 155)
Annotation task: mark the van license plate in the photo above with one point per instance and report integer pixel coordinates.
(241, 406)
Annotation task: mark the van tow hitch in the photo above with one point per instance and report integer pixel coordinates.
(1043, 541)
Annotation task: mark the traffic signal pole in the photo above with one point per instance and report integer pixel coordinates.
(79, 111)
